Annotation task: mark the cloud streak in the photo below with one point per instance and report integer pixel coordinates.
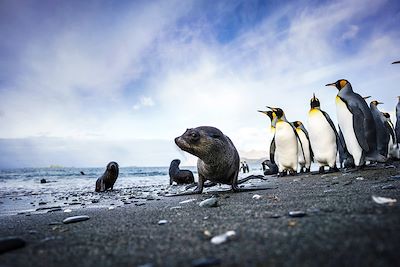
(151, 70)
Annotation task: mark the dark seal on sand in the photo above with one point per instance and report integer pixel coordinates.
(109, 177)
(179, 176)
(218, 158)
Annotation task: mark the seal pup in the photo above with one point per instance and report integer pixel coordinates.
(179, 176)
(107, 180)
(218, 160)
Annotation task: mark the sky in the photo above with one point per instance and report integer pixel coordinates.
(83, 83)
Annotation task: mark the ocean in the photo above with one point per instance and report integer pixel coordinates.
(22, 191)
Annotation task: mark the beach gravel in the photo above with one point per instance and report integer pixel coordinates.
(343, 227)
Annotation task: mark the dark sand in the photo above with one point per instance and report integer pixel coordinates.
(343, 227)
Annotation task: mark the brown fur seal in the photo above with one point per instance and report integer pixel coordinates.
(108, 178)
(179, 176)
(218, 160)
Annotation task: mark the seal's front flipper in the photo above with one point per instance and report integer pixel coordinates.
(262, 177)
(236, 189)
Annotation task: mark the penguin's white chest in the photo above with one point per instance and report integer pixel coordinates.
(345, 120)
(322, 138)
(286, 146)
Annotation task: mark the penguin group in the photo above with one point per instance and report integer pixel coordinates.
(364, 134)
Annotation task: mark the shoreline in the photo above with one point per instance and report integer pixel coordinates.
(341, 225)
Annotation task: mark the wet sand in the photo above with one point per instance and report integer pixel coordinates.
(342, 226)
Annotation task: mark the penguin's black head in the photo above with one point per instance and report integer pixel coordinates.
(375, 103)
(278, 112)
(269, 113)
(314, 102)
(387, 115)
(297, 124)
(339, 84)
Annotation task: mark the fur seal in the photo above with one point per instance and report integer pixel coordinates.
(218, 160)
(179, 176)
(107, 180)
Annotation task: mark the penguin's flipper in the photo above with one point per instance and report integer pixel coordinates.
(272, 149)
(309, 142)
(391, 131)
(328, 119)
(358, 125)
(298, 138)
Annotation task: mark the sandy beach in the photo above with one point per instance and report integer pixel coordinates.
(338, 224)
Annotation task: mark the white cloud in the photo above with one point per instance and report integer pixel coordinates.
(85, 82)
(144, 102)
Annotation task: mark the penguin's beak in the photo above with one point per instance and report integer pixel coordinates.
(331, 84)
(262, 111)
(380, 103)
(366, 97)
(271, 108)
(396, 62)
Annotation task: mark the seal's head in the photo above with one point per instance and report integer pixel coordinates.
(112, 167)
(202, 142)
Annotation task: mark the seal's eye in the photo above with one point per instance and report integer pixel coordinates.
(194, 136)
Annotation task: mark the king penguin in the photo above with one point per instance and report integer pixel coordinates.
(357, 124)
(305, 152)
(382, 133)
(286, 138)
(397, 128)
(323, 136)
(393, 147)
(345, 158)
(273, 168)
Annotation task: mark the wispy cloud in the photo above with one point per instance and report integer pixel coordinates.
(181, 65)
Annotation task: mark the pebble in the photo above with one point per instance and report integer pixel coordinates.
(162, 222)
(67, 210)
(256, 197)
(220, 239)
(275, 216)
(42, 203)
(111, 208)
(360, 178)
(383, 200)
(187, 201)
(297, 213)
(48, 208)
(11, 243)
(204, 262)
(75, 219)
(389, 186)
(209, 202)
(95, 201)
(54, 210)
(43, 181)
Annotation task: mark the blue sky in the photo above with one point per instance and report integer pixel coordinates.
(86, 82)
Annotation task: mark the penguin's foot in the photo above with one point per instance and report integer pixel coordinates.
(302, 170)
(334, 169)
(292, 173)
(282, 174)
(308, 170)
(321, 169)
